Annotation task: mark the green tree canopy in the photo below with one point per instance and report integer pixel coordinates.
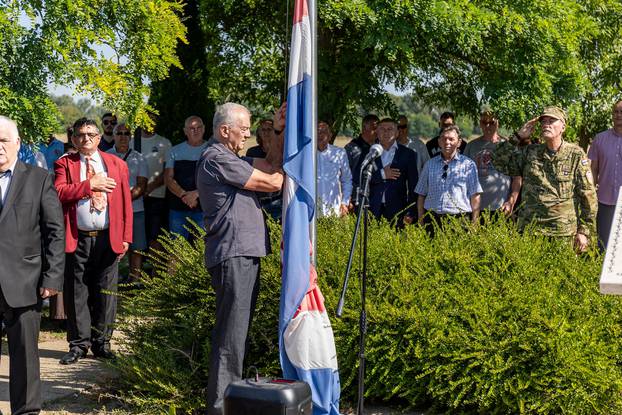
(514, 56)
(109, 49)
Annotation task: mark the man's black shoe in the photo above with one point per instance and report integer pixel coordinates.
(104, 354)
(72, 357)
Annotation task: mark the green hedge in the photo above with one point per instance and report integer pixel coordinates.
(477, 320)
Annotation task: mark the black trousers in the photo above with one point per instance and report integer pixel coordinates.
(22, 329)
(156, 216)
(236, 283)
(433, 220)
(604, 221)
(90, 271)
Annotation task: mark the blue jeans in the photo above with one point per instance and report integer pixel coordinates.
(177, 219)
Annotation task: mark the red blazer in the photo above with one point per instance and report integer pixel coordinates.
(71, 190)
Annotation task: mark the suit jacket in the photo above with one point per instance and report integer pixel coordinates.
(32, 237)
(71, 190)
(398, 193)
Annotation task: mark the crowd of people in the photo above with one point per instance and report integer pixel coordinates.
(112, 191)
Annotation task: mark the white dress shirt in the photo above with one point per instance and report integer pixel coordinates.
(5, 183)
(87, 220)
(386, 158)
(334, 181)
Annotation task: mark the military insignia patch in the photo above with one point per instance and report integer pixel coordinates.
(585, 162)
(588, 175)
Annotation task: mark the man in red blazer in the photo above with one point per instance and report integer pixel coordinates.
(93, 188)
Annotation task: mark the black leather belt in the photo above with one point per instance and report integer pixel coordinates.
(92, 233)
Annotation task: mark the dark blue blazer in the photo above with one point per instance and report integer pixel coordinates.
(398, 193)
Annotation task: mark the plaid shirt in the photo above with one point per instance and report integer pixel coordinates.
(448, 187)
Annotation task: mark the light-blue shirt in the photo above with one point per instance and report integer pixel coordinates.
(451, 194)
(52, 152)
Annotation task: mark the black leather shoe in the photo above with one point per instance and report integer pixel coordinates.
(72, 357)
(104, 354)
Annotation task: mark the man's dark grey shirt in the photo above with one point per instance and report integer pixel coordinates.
(234, 222)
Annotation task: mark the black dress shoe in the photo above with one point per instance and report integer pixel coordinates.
(104, 354)
(72, 357)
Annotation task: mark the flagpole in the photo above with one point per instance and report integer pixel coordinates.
(312, 4)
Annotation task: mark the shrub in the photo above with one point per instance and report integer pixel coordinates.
(480, 320)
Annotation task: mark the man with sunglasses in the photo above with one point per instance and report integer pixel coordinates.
(558, 194)
(500, 191)
(93, 188)
(448, 185)
(109, 121)
(138, 176)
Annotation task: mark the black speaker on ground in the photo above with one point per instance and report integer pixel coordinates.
(268, 397)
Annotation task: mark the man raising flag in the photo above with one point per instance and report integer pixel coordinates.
(306, 343)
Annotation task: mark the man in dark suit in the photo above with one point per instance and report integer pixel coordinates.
(32, 259)
(392, 186)
(93, 188)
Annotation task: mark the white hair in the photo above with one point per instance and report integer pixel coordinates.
(226, 114)
(11, 126)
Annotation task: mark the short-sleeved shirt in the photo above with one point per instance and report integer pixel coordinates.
(606, 150)
(184, 152)
(448, 193)
(137, 166)
(155, 149)
(495, 185)
(234, 223)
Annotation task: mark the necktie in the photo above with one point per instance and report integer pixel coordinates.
(98, 199)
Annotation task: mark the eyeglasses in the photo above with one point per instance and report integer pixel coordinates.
(445, 169)
(126, 133)
(109, 122)
(195, 129)
(85, 135)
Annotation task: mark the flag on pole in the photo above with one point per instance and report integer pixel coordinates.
(306, 342)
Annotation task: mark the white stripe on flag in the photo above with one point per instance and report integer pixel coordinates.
(309, 341)
(300, 55)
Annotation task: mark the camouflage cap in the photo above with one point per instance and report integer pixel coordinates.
(554, 112)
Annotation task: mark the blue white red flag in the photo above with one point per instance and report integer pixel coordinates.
(306, 342)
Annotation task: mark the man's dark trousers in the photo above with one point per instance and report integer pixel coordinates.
(89, 272)
(236, 283)
(22, 329)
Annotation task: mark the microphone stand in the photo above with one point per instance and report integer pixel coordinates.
(363, 202)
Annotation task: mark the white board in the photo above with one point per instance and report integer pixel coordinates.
(611, 275)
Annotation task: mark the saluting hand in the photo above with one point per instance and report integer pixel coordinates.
(527, 129)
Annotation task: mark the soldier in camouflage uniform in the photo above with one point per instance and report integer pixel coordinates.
(558, 192)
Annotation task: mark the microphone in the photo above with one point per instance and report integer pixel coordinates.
(374, 152)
